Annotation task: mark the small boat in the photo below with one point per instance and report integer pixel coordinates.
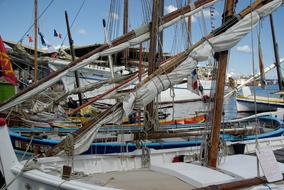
(118, 139)
(247, 102)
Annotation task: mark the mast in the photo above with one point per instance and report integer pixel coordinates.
(219, 97)
(109, 56)
(73, 56)
(35, 42)
(161, 33)
(152, 65)
(125, 28)
(276, 54)
(189, 25)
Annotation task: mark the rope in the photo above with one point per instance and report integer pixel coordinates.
(77, 14)
(254, 91)
(172, 94)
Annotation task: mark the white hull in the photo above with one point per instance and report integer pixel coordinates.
(45, 173)
(90, 75)
(263, 104)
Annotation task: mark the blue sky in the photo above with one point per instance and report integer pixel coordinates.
(17, 16)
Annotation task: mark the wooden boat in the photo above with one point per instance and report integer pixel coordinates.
(126, 171)
(118, 139)
(247, 104)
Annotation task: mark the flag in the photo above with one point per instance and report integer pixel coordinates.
(260, 62)
(6, 69)
(193, 83)
(30, 38)
(42, 38)
(57, 34)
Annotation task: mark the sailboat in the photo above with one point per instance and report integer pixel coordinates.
(158, 169)
(249, 102)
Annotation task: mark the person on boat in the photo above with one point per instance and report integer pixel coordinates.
(72, 103)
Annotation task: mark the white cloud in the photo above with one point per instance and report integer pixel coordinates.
(82, 31)
(244, 49)
(170, 8)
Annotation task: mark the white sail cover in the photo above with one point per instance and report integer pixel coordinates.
(149, 91)
(141, 34)
(222, 42)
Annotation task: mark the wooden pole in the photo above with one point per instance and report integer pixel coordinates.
(150, 113)
(125, 29)
(73, 56)
(35, 42)
(219, 97)
(189, 29)
(161, 33)
(276, 54)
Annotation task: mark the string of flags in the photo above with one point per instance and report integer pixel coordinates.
(57, 34)
(43, 41)
(212, 19)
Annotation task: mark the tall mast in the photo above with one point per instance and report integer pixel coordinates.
(125, 28)
(35, 42)
(276, 54)
(219, 97)
(161, 33)
(73, 56)
(189, 25)
(152, 66)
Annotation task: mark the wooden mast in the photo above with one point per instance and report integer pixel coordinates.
(125, 28)
(35, 42)
(276, 54)
(161, 33)
(73, 56)
(152, 66)
(189, 25)
(219, 97)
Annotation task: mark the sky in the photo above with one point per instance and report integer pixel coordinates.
(17, 17)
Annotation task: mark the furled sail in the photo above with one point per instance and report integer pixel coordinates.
(130, 39)
(226, 37)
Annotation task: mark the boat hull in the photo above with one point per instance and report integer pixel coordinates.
(248, 105)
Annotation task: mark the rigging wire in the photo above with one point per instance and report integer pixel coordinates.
(75, 18)
(46, 8)
(254, 89)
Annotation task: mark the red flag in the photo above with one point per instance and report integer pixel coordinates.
(5, 65)
(30, 38)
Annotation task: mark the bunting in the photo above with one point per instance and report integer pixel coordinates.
(57, 34)
(193, 83)
(260, 62)
(6, 69)
(42, 38)
(212, 13)
(30, 39)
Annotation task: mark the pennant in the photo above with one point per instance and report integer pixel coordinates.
(193, 83)
(6, 69)
(30, 39)
(42, 38)
(260, 62)
(57, 34)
